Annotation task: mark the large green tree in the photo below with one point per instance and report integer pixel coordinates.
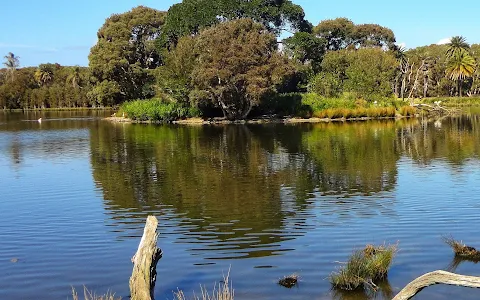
(191, 16)
(457, 44)
(238, 64)
(124, 53)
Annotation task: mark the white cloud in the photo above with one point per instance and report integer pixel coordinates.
(402, 45)
(444, 41)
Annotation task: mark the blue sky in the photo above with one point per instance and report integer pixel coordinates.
(63, 31)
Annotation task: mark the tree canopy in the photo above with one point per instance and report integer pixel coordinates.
(237, 66)
(342, 33)
(191, 16)
(124, 53)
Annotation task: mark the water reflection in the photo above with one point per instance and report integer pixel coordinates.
(242, 190)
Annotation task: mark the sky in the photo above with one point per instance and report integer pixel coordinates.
(62, 31)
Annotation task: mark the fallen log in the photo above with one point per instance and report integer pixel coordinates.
(436, 277)
(142, 281)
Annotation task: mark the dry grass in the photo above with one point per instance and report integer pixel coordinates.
(462, 250)
(364, 268)
(289, 281)
(89, 295)
(224, 291)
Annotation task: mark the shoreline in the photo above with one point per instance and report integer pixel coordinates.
(222, 121)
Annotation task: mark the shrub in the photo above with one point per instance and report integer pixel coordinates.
(157, 110)
(407, 111)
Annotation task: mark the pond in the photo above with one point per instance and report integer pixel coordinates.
(262, 201)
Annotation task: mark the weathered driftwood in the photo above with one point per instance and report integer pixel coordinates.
(436, 277)
(142, 281)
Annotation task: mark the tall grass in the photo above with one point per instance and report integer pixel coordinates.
(89, 295)
(364, 268)
(223, 291)
(462, 250)
(156, 110)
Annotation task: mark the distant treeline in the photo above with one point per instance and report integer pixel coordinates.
(48, 86)
(223, 57)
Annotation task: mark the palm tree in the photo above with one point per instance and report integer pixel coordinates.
(457, 43)
(12, 62)
(460, 66)
(74, 77)
(44, 74)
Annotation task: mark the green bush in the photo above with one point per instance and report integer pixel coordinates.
(157, 110)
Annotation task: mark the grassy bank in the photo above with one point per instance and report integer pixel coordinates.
(349, 107)
(452, 101)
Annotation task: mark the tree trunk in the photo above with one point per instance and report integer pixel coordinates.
(144, 274)
(436, 277)
(460, 87)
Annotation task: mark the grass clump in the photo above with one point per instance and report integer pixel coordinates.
(461, 250)
(89, 295)
(223, 291)
(289, 281)
(407, 111)
(364, 268)
(156, 110)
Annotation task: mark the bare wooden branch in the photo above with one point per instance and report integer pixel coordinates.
(436, 277)
(142, 281)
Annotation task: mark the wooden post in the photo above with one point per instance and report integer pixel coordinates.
(142, 281)
(436, 277)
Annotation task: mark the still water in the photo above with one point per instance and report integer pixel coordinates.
(261, 200)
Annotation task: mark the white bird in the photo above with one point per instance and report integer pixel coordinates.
(40, 120)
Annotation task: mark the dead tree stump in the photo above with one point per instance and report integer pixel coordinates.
(436, 277)
(142, 281)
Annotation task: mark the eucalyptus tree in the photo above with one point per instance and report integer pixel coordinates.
(460, 66)
(237, 66)
(124, 54)
(74, 78)
(12, 62)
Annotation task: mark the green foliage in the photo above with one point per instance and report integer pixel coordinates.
(238, 66)
(124, 53)
(364, 267)
(306, 48)
(191, 16)
(174, 79)
(367, 73)
(341, 33)
(156, 110)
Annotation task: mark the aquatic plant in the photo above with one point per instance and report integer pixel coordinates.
(224, 291)
(462, 250)
(364, 267)
(89, 295)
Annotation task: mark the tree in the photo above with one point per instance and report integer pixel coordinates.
(460, 66)
(306, 48)
(174, 79)
(237, 66)
(12, 62)
(457, 43)
(125, 51)
(44, 74)
(368, 73)
(342, 33)
(74, 78)
(337, 33)
(191, 16)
